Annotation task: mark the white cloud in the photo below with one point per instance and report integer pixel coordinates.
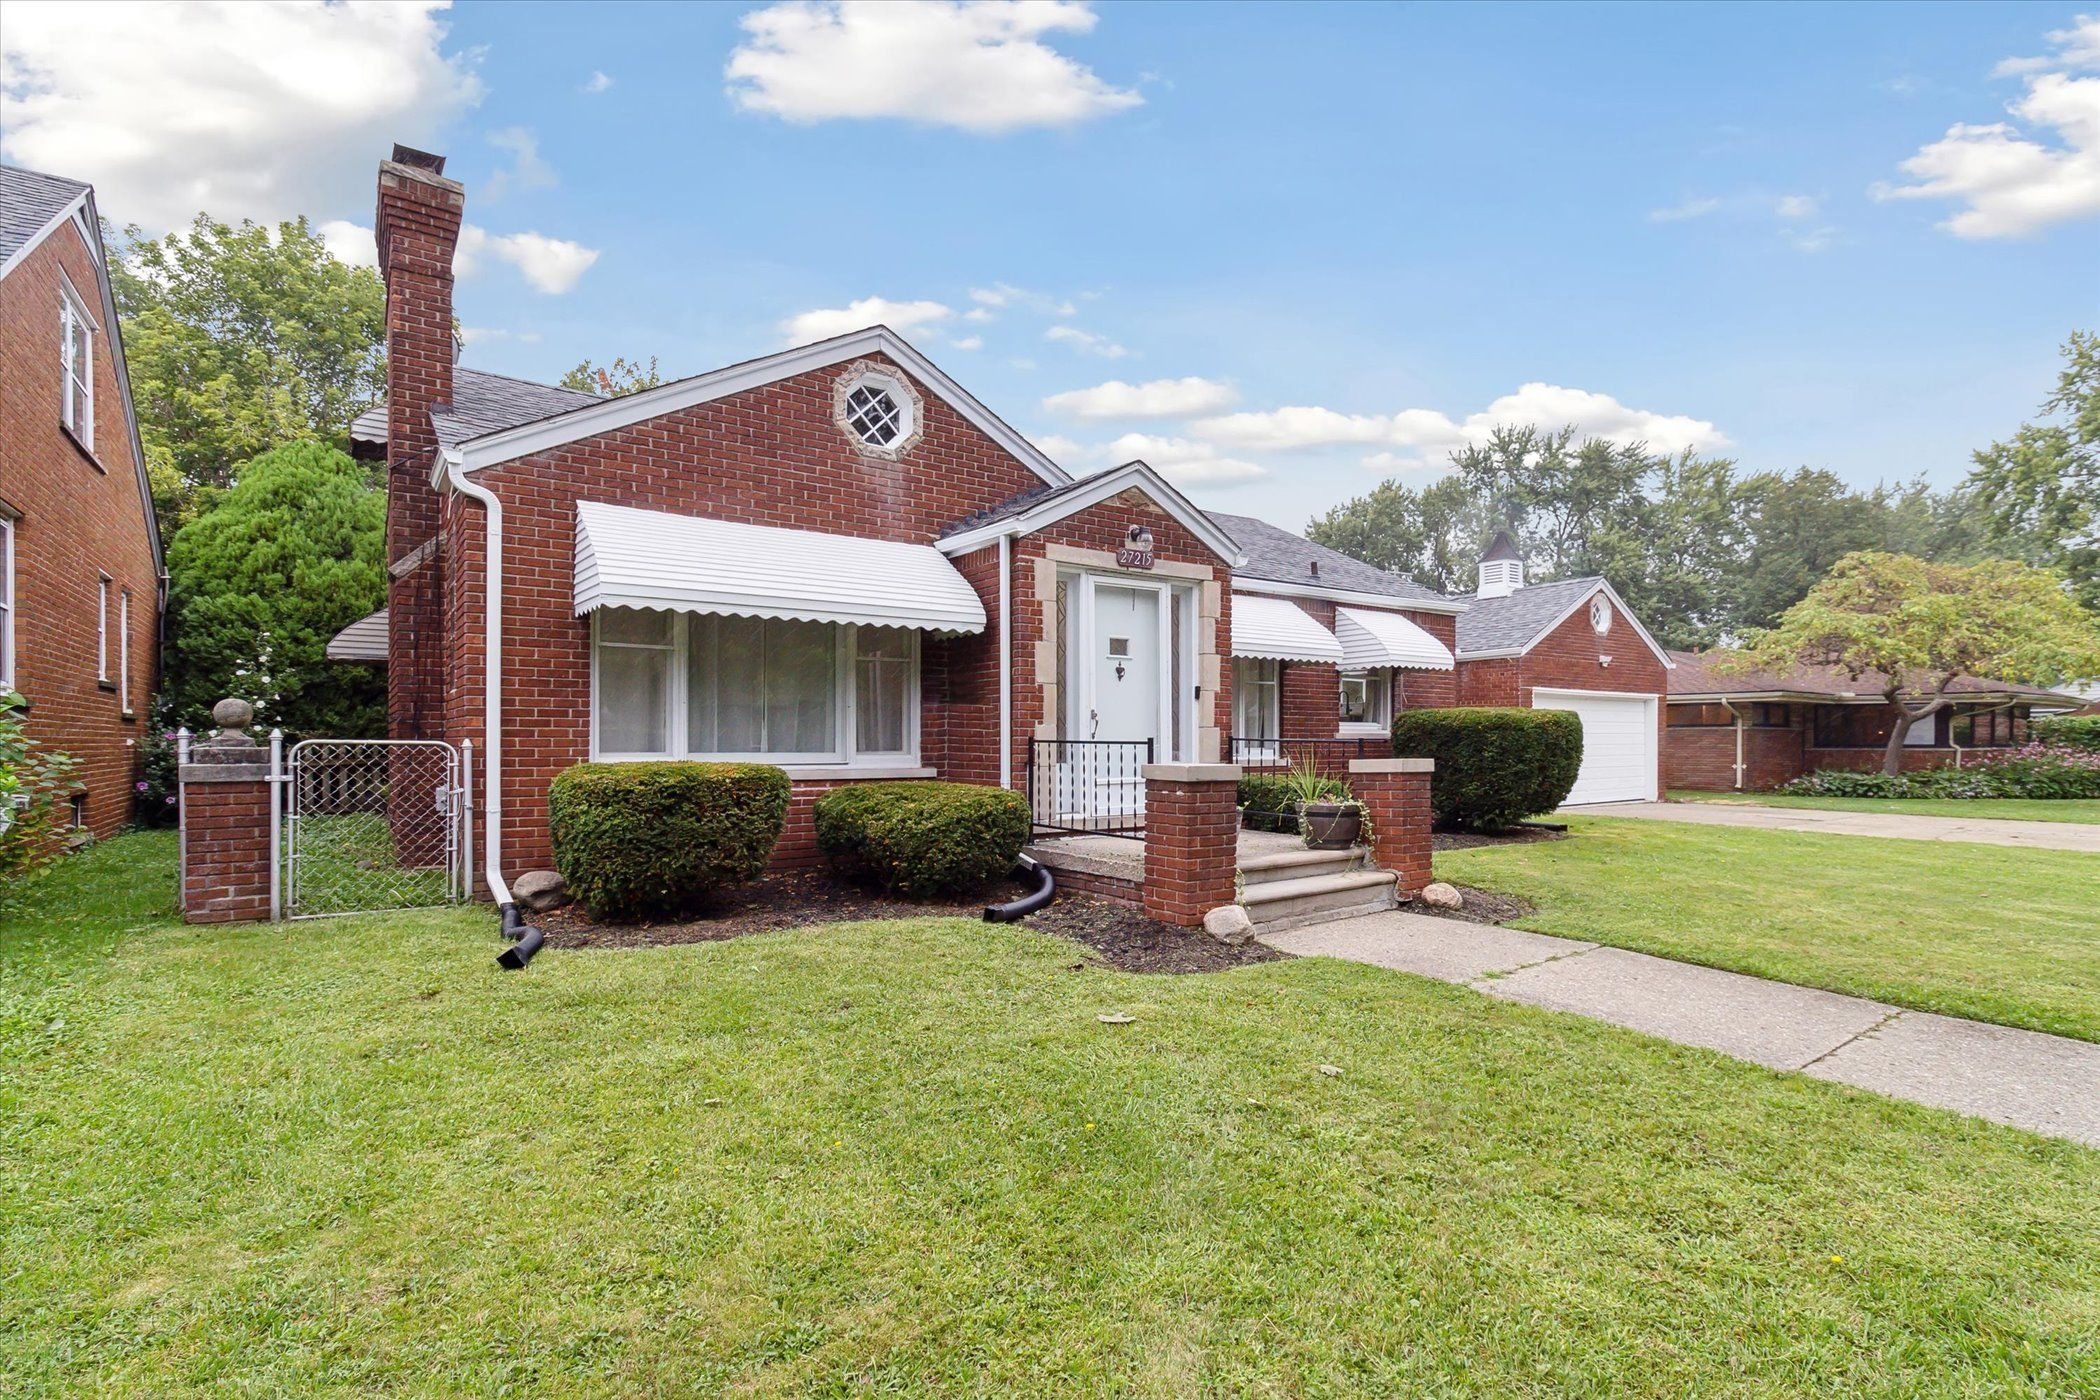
(1001, 295)
(2076, 47)
(1796, 206)
(245, 111)
(2011, 183)
(1424, 436)
(1086, 342)
(1183, 461)
(598, 82)
(826, 322)
(528, 170)
(977, 315)
(348, 242)
(482, 335)
(968, 342)
(1157, 398)
(549, 265)
(982, 67)
(1689, 209)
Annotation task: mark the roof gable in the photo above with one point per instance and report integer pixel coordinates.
(1516, 622)
(1032, 510)
(489, 448)
(32, 204)
(482, 402)
(1276, 555)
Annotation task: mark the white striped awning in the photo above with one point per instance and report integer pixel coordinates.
(362, 640)
(1280, 629)
(1387, 639)
(627, 558)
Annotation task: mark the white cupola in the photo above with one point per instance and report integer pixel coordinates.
(1501, 568)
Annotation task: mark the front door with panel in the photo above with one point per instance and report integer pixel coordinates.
(1126, 662)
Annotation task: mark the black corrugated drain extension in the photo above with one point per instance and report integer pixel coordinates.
(528, 936)
(1042, 894)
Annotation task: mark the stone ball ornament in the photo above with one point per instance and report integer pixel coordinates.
(233, 714)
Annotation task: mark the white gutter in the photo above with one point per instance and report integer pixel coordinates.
(1730, 706)
(1006, 662)
(491, 679)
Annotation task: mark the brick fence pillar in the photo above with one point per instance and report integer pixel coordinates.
(1192, 832)
(227, 848)
(1395, 794)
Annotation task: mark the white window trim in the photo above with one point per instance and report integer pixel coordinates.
(124, 650)
(7, 602)
(844, 760)
(1382, 697)
(72, 309)
(102, 586)
(1085, 646)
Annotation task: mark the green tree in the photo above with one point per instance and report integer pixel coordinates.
(240, 338)
(258, 583)
(1432, 535)
(1910, 627)
(622, 376)
(2038, 495)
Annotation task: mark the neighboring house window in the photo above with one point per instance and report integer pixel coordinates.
(1257, 695)
(1700, 716)
(1366, 697)
(1764, 716)
(1992, 729)
(1922, 734)
(102, 628)
(708, 686)
(7, 602)
(1867, 727)
(79, 811)
(124, 650)
(77, 410)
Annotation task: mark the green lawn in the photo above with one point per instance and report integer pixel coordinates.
(906, 1158)
(2016, 809)
(1994, 933)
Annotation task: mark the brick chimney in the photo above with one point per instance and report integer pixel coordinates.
(417, 228)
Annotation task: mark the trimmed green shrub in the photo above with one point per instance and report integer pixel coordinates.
(922, 837)
(1494, 767)
(2067, 732)
(641, 840)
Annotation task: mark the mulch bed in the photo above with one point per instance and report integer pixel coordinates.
(1481, 907)
(1114, 933)
(1466, 840)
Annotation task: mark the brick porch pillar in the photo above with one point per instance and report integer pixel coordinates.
(226, 841)
(1395, 794)
(1192, 832)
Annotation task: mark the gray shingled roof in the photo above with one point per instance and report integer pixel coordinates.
(1012, 506)
(28, 201)
(1514, 622)
(1283, 557)
(481, 403)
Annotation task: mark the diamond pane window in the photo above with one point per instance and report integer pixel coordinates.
(874, 416)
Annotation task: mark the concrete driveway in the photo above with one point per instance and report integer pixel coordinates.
(2045, 1083)
(1984, 831)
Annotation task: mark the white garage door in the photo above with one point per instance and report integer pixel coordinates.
(1618, 744)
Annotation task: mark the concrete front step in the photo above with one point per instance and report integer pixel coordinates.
(1291, 903)
(1278, 866)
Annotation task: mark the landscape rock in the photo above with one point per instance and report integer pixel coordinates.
(540, 890)
(1442, 896)
(1229, 924)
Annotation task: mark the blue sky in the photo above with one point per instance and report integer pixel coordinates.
(1665, 219)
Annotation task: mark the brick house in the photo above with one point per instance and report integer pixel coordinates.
(1755, 731)
(81, 582)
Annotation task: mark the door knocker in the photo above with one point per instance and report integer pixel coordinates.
(1119, 670)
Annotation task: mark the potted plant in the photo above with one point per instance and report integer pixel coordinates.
(1328, 817)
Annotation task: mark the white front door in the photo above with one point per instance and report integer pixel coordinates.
(1127, 698)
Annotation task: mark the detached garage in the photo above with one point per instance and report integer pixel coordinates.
(1569, 645)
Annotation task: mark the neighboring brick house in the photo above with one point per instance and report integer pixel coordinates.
(81, 582)
(1571, 644)
(1752, 731)
(833, 558)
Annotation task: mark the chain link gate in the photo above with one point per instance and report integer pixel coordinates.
(373, 824)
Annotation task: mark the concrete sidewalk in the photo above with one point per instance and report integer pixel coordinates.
(2045, 1083)
(1985, 831)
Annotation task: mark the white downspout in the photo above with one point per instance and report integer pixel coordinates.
(1006, 662)
(1738, 743)
(491, 680)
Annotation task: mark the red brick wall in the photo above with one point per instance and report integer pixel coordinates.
(80, 516)
(1398, 807)
(1312, 691)
(769, 456)
(1703, 759)
(226, 849)
(417, 226)
(1488, 682)
(1191, 848)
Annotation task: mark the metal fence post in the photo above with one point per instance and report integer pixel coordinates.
(276, 824)
(463, 879)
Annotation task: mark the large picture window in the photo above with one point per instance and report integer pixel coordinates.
(673, 685)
